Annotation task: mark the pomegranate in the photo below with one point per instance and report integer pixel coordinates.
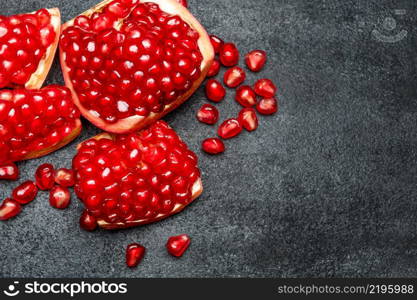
(267, 106)
(137, 178)
(215, 91)
(130, 62)
(229, 55)
(65, 177)
(9, 209)
(44, 176)
(265, 88)
(87, 221)
(217, 43)
(208, 114)
(248, 119)
(234, 77)
(34, 123)
(59, 197)
(245, 96)
(229, 129)
(214, 69)
(28, 45)
(255, 60)
(213, 146)
(134, 254)
(177, 245)
(25, 193)
(9, 172)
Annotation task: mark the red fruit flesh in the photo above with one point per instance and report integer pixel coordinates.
(183, 2)
(215, 91)
(134, 255)
(216, 42)
(229, 129)
(129, 63)
(265, 88)
(25, 193)
(9, 172)
(214, 69)
(208, 114)
(248, 119)
(59, 197)
(34, 123)
(44, 177)
(229, 55)
(234, 77)
(87, 221)
(255, 60)
(9, 209)
(65, 177)
(245, 96)
(267, 106)
(177, 245)
(213, 146)
(135, 179)
(28, 44)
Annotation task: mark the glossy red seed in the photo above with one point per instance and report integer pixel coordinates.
(265, 88)
(213, 146)
(9, 209)
(248, 119)
(134, 255)
(215, 91)
(44, 177)
(229, 55)
(216, 42)
(183, 2)
(214, 69)
(87, 221)
(65, 177)
(229, 129)
(177, 245)
(267, 106)
(234, 77)
(59, 197)
(208, 114)
(25, 192)
(9, 172)
(245, 96)
(255, 60)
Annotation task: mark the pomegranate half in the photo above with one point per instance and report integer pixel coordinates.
(129, 62)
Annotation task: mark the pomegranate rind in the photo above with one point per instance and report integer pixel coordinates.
(134, 123)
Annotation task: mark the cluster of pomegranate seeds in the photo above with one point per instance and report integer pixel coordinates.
(24, 40)
(177, 245)
(9, 172)
(134, 254)
(32, 120)
(148, 63)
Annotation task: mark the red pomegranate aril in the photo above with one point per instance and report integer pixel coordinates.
(59, 197)
(229, 55)
(267, 106)
(183, 3)
(177, 245)
(213, 146)
(44, 177)
(214, 69)
(234, 77)
(9, 172)
(65, 177)
(248, 119)
(229, 129)
(215, 91)
(87, 221)
(265, 88)
(216, 42)
(25, 192)
(245, 96)
(208, 114)
(134, 254)
(9, 208)
(255, 60)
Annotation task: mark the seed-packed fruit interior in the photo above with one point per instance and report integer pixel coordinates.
(130, 58)
(33, 121)
(133, 179)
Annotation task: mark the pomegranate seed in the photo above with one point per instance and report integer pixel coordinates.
(208, 114)
(59, 197)
(255, 60)
(229, 55)
(88, 222)
(44, 177)
(267, 106)
(214, 69)
(229, 129)
(183, 3)
(215, 91)
(216, 42)
(177, 245)
(234, 77)
(213, 146)
(9, 171)
(25, 193)
(248, 119)
(265, 88)
(65, 177)
(245, 96)
(134, 254)
(9, 209)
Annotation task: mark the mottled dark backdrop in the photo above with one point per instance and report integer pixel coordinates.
(325, 188)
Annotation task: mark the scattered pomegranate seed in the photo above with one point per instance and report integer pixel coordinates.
(214, 69)
(59, 197)
(229, 129)
(267, 106)
(208, 114)
(265, 88)
(217, 43)
(134, 254)
(9, 209)
(213, 146)
(248, 119)
(234, 77)
(183, 3)
(44, 177)
(65, 177)
(177, 245)
(255, 60)
(88, 222)
(215, 91)
(245, 96)
(9, 172)
(229, 55)
(25, 193)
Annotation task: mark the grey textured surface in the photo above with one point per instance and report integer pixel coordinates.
(325, 188)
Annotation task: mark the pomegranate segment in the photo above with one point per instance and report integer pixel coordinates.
(59, 197)
(134, 255)
(267, 106)
(214, 69)
(34, 123)
(138, 178)
(129, 63)
(87, 221)
(229, 129)
(213, 146)
(229, 55)
(25, 193)
(245, 96)
(177, 245)
(9, 209)
(208, 114)
(44, 177)
(28, 44)
(215, 91)
(255, 60)
(265, 88)
(65, 177)
(234, 77)
(248, 119)
(9, 172)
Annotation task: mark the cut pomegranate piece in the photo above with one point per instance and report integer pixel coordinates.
(215, 91)
(216, 42)
(229, 55)
(9, 172)
(267, 106)
(255, 60)
(234, 77)
(34, 123)
(65, 177)
(214, 69)
(87, 221)
(208, 114)
(177, 245)
(138, 178)
(129, 63)
(229, 129)
(248, 119)
(245, 96)
(59, 197)
(44, 176)
(28, 45)
(25, 193)
(9, 209)
(183, 2)
(134, 255)
(265, 88)
(213, 146)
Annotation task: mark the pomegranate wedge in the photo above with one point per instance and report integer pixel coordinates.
(28, 43)
(130, 62)
(137, 178)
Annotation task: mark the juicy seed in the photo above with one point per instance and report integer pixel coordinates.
(177, 245)
(245, 96)
(215, 91)
(213, 146)
(59, 197)
(65, 177)
(229, 129)
(25, 193)
(9, 209)
(234, 77)
(255, 60)
(265, 88)
(216, 42)
(183, 3)
(214, 69)
(229, 55)
(248, 119)
(9, 172)
(267, 106)
(44, 177)
(208, 114)
(87, 221)
(134, 255)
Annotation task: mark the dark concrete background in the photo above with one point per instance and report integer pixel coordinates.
(325, 188)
